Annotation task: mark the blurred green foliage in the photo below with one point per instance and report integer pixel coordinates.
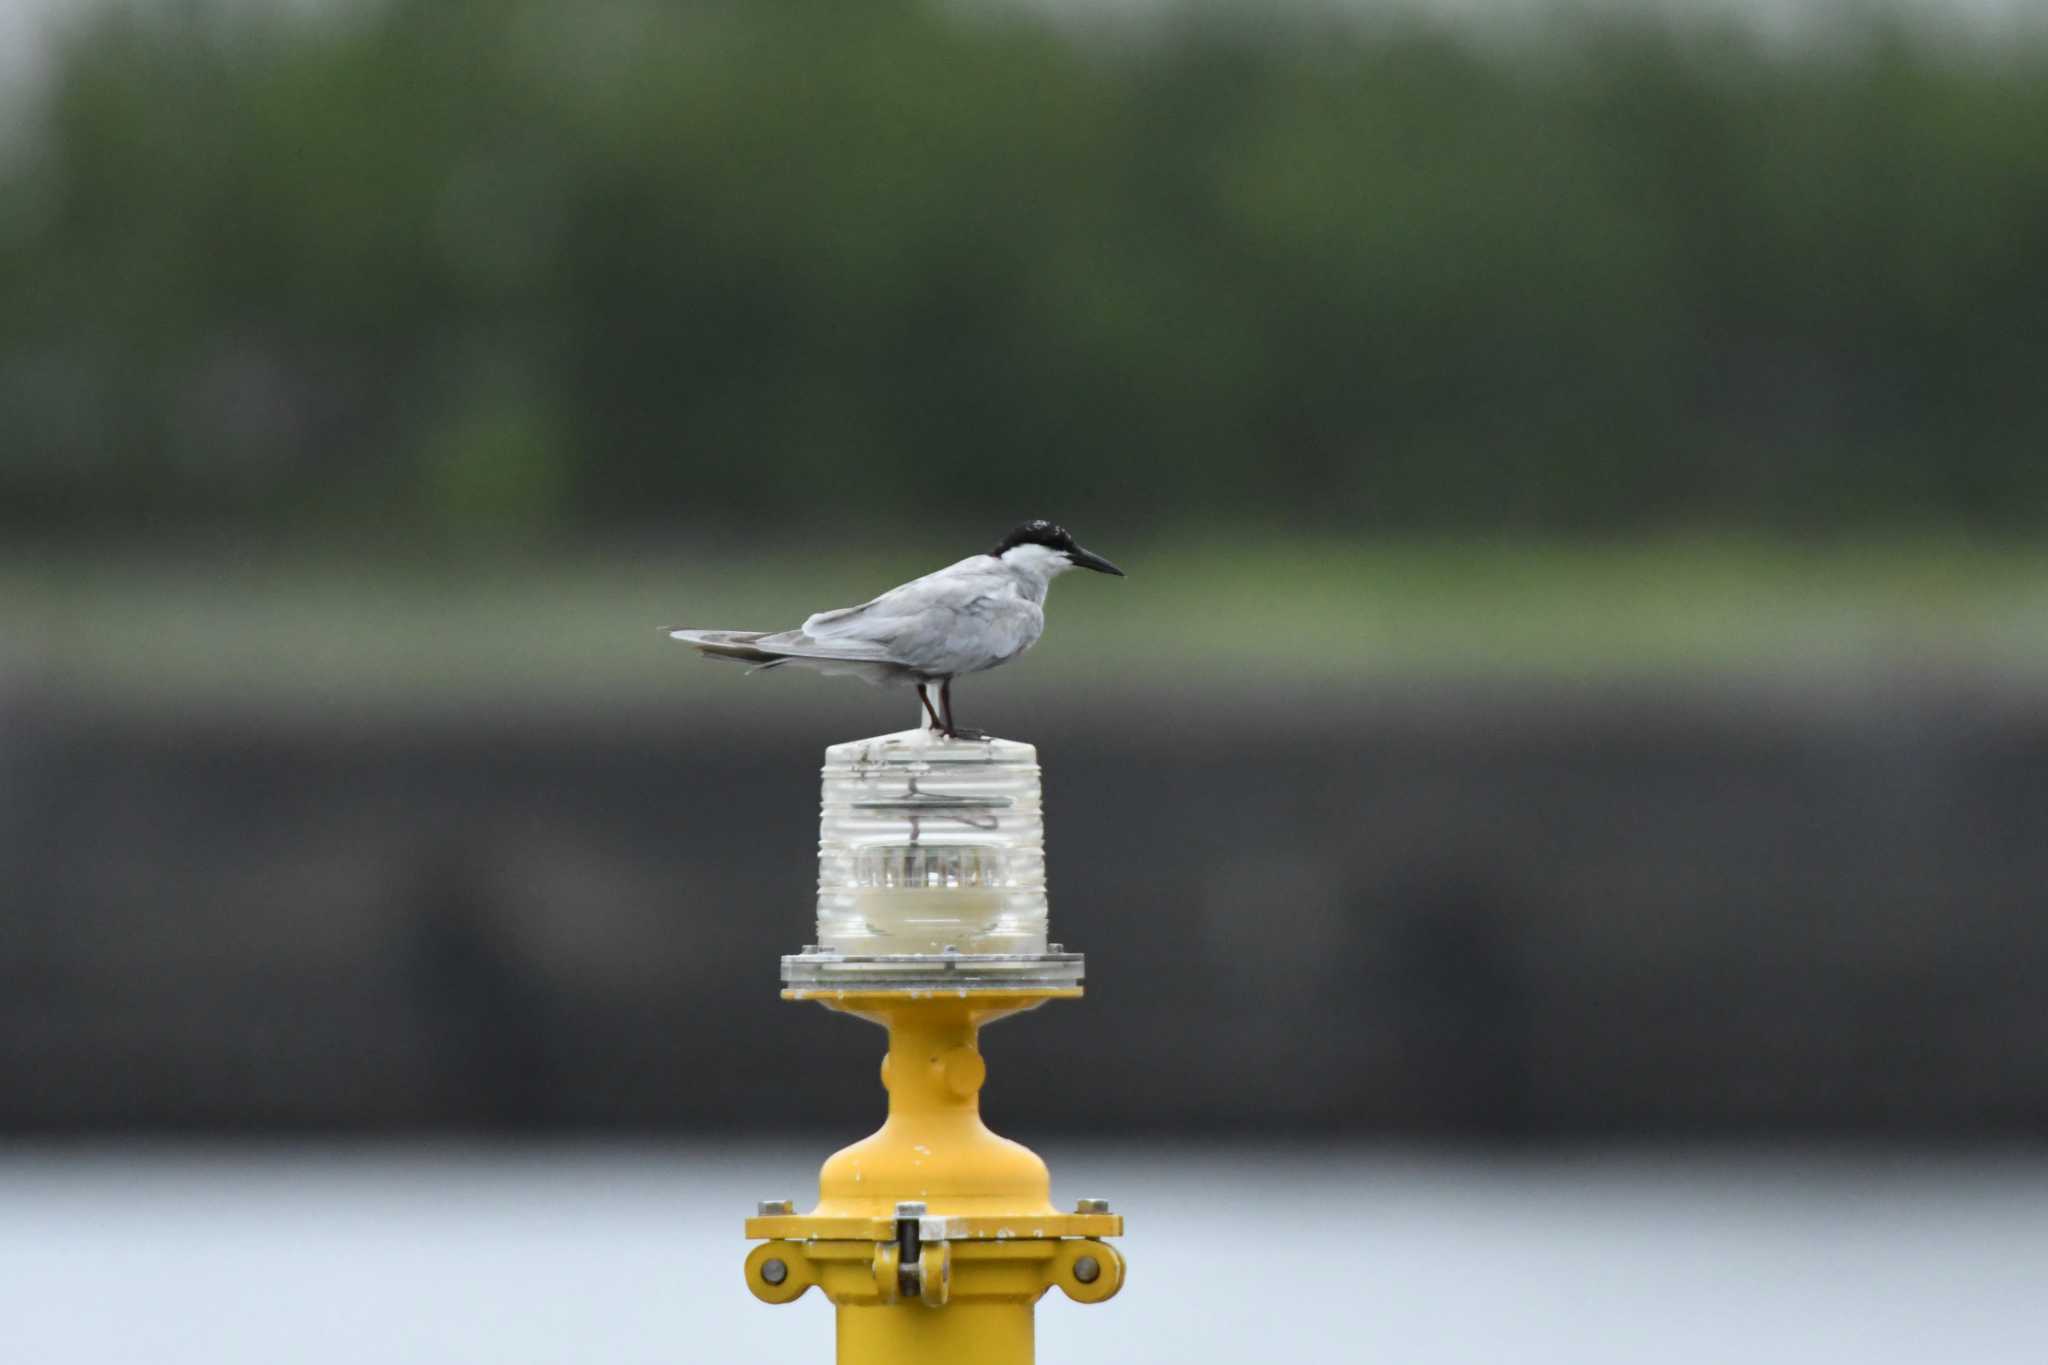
(439, 268)
(369, 632)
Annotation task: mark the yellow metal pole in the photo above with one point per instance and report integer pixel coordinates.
(934, 1237)
(984, 1333)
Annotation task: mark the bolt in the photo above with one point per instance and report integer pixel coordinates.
(769, 1208)
(910, 1208)
(950, 948)
(1086, 1269)
(1091, 1206)
(775, 1272)
(1055, 947)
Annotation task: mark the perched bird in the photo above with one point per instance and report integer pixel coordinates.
(983, 611)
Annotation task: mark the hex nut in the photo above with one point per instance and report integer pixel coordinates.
(910, 1208)
(1091, 1206)
(770, 1208)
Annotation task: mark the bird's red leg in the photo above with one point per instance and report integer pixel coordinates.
(925, 697)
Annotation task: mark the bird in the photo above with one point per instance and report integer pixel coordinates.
(965, 618)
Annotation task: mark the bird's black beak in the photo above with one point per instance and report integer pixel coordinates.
(1086, 559)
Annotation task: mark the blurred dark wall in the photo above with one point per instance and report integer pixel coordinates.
(1472, 911)
(511, 269)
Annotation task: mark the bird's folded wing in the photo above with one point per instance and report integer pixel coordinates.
(714, 637)
(906, 639)
(724, 644)
(796, 644)
(804, 645)
(907, 623)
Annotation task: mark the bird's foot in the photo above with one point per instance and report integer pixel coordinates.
(967, 733)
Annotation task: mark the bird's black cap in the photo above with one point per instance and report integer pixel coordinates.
(1054, 537)
(1047, 533)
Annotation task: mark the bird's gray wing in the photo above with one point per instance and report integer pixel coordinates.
(924, 623)
(856, 635)
(890, 623)
(955, 620)
(755, 646)
(961, 619)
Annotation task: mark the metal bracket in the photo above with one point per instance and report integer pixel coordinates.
(909, 1235)
(850, 1272)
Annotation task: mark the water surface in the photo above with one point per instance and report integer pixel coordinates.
(631, 1256)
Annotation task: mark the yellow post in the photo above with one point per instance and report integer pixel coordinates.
(934, 1237)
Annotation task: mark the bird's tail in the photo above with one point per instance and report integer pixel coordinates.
(730, 644)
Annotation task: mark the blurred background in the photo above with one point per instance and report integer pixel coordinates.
(1562, 794)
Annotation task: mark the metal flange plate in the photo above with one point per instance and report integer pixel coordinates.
(932, 971)
(976, 1227)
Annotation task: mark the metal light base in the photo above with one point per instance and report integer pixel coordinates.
(933, 1237)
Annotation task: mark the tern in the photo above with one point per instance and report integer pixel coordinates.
(965, 618)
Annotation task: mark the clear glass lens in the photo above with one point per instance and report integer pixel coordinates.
(926, 844)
